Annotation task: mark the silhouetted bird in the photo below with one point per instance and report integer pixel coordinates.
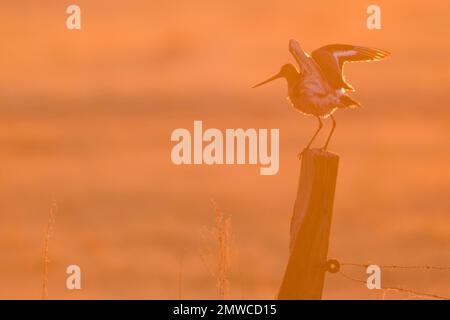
(318, 88)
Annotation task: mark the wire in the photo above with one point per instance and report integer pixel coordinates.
(393, 266)
(408, 291)
(411, 292)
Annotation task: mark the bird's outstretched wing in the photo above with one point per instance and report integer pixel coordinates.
(299, 55)
(331, 59)
(295, 50)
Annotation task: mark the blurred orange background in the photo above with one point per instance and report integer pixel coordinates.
(86, 118)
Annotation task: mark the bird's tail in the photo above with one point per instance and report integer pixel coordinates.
(348, 102)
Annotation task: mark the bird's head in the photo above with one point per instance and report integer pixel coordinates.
(287, 71)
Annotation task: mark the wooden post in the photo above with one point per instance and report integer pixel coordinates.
(310, 227)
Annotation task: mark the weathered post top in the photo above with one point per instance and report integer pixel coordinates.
(310, 227)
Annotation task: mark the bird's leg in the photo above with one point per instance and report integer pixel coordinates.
(331, 133)
(313, 137)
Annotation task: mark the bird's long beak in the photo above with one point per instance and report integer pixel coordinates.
(268, 80)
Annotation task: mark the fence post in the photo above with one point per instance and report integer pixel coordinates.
(310, 227)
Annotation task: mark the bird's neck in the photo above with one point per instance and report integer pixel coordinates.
(292, 79)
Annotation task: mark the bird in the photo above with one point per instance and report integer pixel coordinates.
(318, 87)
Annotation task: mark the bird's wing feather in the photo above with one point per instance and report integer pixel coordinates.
(331, 59)
(299, 55)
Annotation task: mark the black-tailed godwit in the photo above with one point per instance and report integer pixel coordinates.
(318, 87)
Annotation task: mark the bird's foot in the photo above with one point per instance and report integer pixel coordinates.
(300, 155)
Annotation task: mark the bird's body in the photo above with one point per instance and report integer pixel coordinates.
(312, 97)
(318, 87)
